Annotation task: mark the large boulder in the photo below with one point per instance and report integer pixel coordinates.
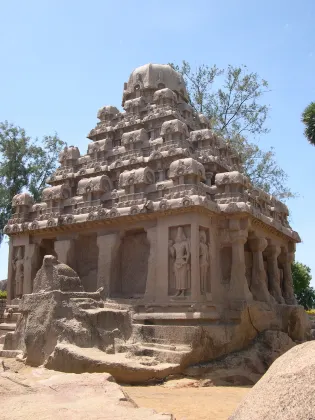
(286, 391)
(244, 367)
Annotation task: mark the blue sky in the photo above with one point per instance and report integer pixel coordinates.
(62, 60)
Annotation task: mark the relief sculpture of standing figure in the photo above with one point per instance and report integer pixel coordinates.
(203, 261)
(18, 265)
(180, 250)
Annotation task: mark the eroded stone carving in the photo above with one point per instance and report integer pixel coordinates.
(203, 260)
(18, 265)
(180, 251)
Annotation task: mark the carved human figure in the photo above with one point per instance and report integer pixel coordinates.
(180, 250)
(203, 260)
(18, 266)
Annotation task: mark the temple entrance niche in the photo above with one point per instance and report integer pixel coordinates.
(179, 267)
(86, 252)
(46, 247)
(133, 254)
(226, 264)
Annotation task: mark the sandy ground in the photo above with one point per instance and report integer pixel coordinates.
(184, 398)
(189, 403)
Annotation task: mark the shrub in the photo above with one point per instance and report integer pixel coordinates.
(3, 295)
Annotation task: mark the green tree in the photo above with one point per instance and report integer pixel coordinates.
(308, 118)
(302, 277)
(25, 164)
(231, 98)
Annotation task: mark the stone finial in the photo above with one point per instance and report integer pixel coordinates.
(155, 76)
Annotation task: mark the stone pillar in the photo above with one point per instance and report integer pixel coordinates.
(152, 265)
(65, 252)
(10, 284)
(259, 286)
(30, 267)
(286, 259)
(238, 284)
(273, 252)
(107, 244)
(194, 258)
(162, 261)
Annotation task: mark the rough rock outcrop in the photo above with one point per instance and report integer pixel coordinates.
(247, 366)
(68, 396)
(286, 391)
(61, 311)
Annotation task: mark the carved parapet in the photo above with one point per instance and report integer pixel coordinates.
(98, 184)
(135, 104)
(22, 200)
(133, 137)
(69, 153)
(107, 113)
(204, 121)
(56, 193)
(136, 176)
(188, 166)
(99, 146)
(174, 127)
(164, 97)
(231, 178)
(206, 135)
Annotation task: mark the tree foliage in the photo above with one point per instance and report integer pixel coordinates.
(25, 164)
(308, 118)
(305, 294)
(231, 99)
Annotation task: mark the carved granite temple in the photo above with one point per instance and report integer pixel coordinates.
(159, 215)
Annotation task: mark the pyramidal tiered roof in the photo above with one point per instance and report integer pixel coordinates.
(157, 155)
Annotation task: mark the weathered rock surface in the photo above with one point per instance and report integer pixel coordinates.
(54, 275)
(247, 366)
(51, 395)
(286, 391)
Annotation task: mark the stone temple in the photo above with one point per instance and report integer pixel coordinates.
(160, 221)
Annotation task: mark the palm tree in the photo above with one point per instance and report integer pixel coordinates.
(308, 118)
